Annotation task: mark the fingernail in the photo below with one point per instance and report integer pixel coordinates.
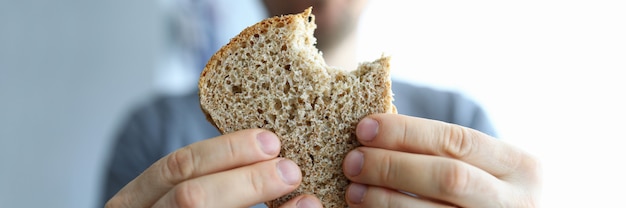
(356, 192)
(353, 163)
(268, 142)
(367, 129)
(306, 202)
(289, 171)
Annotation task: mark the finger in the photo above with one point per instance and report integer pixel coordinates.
(360, 195)
(201, 158)
(424, 136)
(240, 187)
(303, 201)
(430, 176)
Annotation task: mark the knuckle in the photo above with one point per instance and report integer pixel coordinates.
(407, 133)
(533, 167)
(387, 172)
(458, 141)
(389, 199)
(179, 165)
(188, 195)
(231, 148)
(258, 187)
(455, 180)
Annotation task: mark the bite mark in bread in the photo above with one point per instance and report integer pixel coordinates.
(272, 76)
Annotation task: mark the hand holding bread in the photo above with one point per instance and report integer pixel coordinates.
(445, 165)
(233, 170)
(299, 133)
(438, 164)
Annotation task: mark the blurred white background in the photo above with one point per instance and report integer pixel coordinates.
(550, 74)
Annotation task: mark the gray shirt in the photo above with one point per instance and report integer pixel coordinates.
(167, 123)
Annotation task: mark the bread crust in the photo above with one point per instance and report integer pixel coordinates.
(271, 76)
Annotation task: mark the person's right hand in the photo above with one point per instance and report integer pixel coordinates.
(240, 169)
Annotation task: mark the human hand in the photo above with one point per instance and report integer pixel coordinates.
(240, 169)
(439, 164)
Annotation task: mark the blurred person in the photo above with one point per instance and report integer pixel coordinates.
(439, 149)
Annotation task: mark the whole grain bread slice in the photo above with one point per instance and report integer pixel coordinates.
(272, 76)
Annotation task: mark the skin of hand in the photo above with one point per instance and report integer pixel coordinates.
(404, 162)
(414, 162)
(239, 169)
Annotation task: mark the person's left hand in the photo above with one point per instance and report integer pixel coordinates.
(407, 161)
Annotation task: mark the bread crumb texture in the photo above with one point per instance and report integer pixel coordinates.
(272, 76)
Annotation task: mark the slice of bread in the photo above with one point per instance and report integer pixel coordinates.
(272, 76)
